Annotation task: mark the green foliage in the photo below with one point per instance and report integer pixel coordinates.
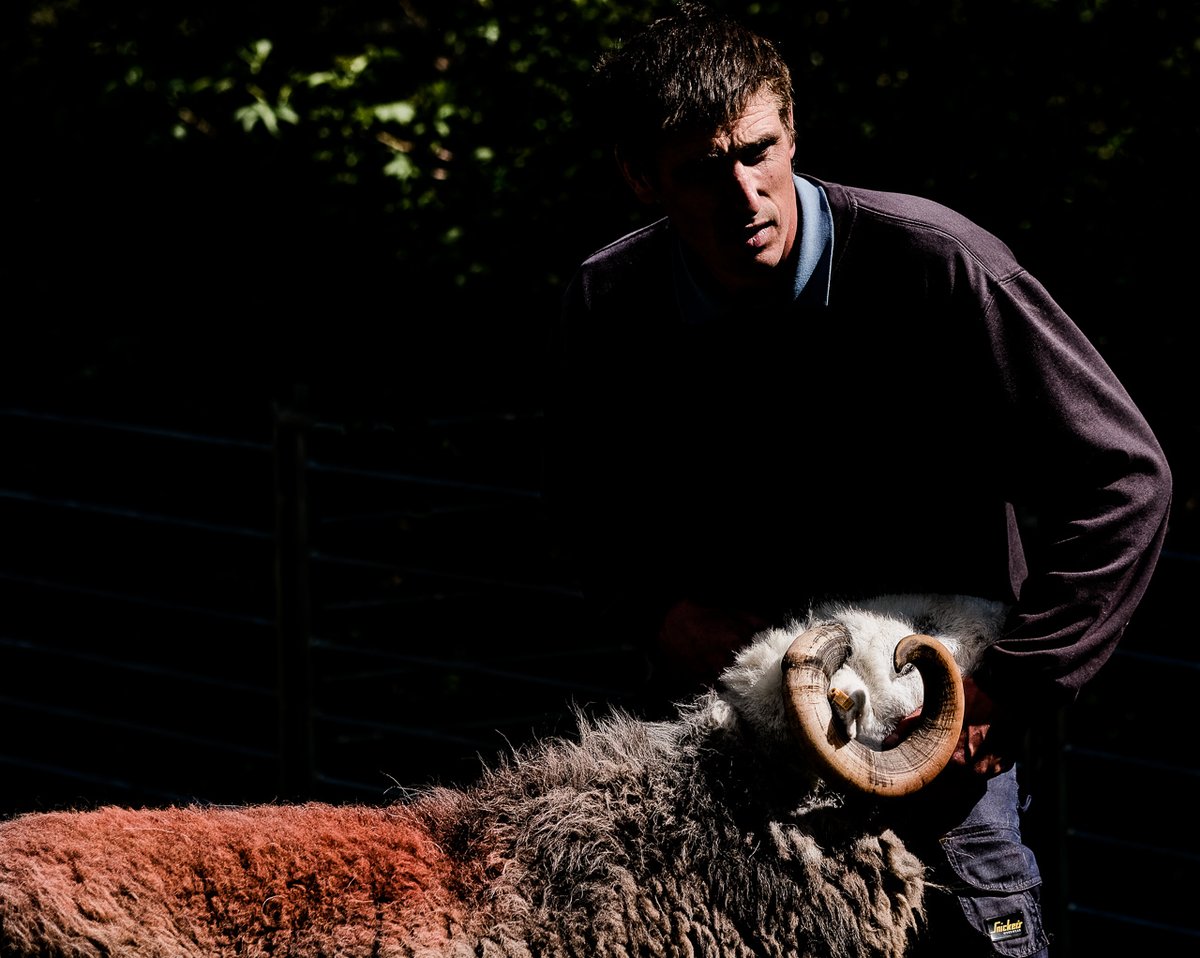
(386, 153)
(423, 107)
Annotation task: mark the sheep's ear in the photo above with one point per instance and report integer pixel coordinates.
(848, 707)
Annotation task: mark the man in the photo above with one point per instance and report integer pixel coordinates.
(788, 390)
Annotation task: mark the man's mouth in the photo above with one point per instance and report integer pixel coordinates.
(757, 236)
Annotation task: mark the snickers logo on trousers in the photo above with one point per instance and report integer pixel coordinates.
(1010, 926)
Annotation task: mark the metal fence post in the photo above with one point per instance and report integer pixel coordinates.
(293, 605)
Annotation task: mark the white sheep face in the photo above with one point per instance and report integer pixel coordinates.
(879, 697)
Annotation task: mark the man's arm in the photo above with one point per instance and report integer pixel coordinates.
(1097, 483)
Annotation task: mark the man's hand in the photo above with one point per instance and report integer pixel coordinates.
(980, 749)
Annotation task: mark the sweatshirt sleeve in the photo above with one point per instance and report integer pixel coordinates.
(1085, 468)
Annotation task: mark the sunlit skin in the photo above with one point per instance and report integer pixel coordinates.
(730, 196)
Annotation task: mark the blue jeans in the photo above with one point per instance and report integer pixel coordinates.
(986, 874)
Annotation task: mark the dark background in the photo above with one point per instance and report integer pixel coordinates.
(278, 278)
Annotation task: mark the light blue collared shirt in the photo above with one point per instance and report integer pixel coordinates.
(814, 262)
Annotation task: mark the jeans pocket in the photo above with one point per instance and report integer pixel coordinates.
(999, 888)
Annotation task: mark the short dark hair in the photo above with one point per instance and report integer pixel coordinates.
(693, 70)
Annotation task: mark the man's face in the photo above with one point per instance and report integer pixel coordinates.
(730, 195)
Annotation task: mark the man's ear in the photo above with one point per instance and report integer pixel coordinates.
(637, 178)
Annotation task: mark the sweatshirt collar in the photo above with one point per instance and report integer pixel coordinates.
(814, 261)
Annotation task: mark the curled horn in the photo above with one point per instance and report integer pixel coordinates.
(810, 661)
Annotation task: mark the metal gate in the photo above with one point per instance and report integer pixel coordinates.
(344, 610)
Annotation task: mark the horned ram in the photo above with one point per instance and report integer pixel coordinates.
(749, 825)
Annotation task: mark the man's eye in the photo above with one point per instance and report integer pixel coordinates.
(756, 155)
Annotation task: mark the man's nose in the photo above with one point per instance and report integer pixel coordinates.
(743, 188)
